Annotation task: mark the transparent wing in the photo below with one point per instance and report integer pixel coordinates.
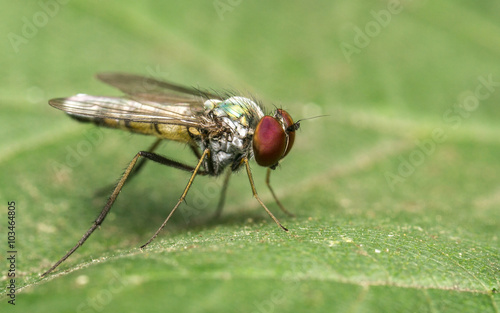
(149, 88)
(120, 108)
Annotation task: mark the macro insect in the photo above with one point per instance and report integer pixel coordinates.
(223, 131)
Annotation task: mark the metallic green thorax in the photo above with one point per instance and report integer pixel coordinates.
(238, 109)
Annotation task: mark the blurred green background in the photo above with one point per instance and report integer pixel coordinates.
(396, 192)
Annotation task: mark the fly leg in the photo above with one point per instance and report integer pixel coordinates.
(249, 173)
(268, 183)
(183, 196)
(128, 171)
(141, 162)
(223, 191)
(222, 198)
(106, 190)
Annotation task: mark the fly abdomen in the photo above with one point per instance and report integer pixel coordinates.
(161, 130)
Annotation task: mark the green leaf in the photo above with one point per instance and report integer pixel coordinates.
(395, 191)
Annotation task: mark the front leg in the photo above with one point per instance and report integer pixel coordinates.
(249, 173)
(268, 183)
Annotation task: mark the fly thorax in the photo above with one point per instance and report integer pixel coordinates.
(238, 116)
(241, 109)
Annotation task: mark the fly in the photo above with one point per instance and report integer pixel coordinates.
(223, 131)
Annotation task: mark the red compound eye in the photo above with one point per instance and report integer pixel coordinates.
(291, 134)
(269, 141)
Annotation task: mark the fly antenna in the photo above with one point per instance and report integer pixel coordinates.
(295, 126)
